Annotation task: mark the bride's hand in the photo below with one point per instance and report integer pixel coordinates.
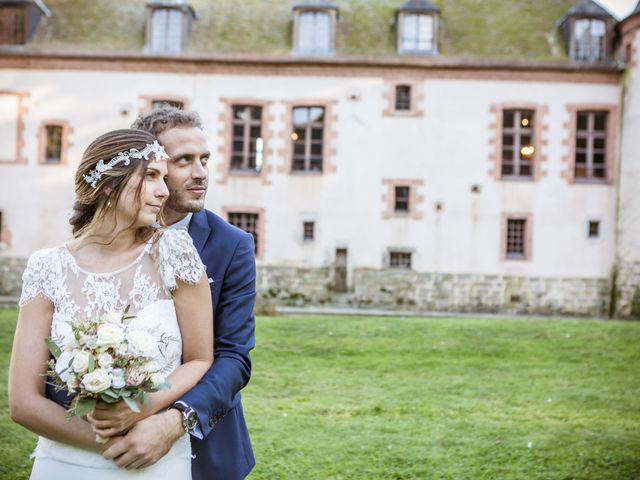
(108, 420)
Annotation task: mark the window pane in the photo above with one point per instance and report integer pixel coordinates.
(598, 143)
(508, 118)
(53, 153)
(403, 97)
(300, 115)
(600, 121)
(583, 119)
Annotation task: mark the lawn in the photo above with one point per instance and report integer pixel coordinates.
(445, 398)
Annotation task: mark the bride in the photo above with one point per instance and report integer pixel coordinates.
(118, 257)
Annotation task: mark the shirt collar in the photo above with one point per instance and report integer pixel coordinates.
(184, 223)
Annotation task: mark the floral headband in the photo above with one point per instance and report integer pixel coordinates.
(101, 167)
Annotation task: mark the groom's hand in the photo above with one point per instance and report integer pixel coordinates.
(147, 442)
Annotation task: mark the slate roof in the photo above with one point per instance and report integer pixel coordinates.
(521, 30)
(425, 6)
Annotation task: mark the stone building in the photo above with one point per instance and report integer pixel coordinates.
(452, 155)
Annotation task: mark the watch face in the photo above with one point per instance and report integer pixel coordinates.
(192, 420)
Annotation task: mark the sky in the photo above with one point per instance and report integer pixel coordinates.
(620, 8)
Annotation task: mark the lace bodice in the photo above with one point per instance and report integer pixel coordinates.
(55, 274)
(145, 285)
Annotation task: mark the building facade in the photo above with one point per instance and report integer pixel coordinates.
(384, 154)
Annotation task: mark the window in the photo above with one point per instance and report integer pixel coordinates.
(401, 203)
(247, 142)
(308, 230)
(403, 97)
(167, 28)
(516, 239)
(591, 146)
(589, 40)
(12, 25)
(314, 33)
(399, 259)
(593, 229)
(308, 139)
(53, 147)
(247, 222)
(159, 103)
(517, 143)
(417, 33)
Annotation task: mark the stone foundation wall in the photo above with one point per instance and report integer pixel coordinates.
(11, 276)
(410, 290)
(628, 290)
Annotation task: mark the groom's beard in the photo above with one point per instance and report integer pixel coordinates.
(182, 201)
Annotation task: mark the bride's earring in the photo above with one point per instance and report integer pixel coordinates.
(109, 204)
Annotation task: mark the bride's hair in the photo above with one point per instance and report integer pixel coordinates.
(92, 204)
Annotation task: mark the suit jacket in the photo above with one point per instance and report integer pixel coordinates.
(223, 450)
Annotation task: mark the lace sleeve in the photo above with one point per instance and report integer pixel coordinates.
(179, 259)
(39, 278)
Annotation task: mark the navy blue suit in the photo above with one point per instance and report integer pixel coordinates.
(224, 450)
(228, 253)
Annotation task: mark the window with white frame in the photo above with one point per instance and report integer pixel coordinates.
(417, 33)
(314, 32)
(589, 40)
(167, 30)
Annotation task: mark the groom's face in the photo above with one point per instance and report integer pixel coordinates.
(188, 171)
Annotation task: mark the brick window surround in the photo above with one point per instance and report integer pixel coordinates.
(528, 236)
(147, 101)
(225, 122)
(389, 198)
(260, 224)
(540, 141)
(64, 144)
(332, 16)
(330, 134)
(629, 31)
(21, 111)
(389, 96)
(569, 142)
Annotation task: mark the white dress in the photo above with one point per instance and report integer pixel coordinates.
(145, 285)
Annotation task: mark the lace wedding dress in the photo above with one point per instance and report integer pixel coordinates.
(145, 285)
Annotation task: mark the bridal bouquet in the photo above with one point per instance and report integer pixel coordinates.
(106, 360)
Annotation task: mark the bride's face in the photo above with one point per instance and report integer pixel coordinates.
(145, 210)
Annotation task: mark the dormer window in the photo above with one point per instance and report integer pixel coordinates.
(314, 29)
(417, 22)
(588, 31)
(19, 19)
(168, 26)
(13, 25)
(589, 40)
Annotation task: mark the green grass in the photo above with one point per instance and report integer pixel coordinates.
(400, 398)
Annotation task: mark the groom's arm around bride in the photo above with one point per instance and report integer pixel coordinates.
(220, 440)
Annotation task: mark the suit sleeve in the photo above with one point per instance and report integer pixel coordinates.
(234, 327)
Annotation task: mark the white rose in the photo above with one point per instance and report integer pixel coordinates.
(97, 381)
(157, 379)
(151, 366)
(72, 383)
(117, 377)
(135, 376)
(110, 335)
(63, 366)
(142, 344)
(81, 362)
(105, 360)
(122, 349)
(70, 343)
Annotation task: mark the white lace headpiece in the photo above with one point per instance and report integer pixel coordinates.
(124, 157)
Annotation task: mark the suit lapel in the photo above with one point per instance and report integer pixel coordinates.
(199, 230)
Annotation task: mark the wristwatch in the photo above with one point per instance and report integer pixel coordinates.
(189, 416)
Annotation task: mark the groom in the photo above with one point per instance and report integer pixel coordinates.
(212, 411)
